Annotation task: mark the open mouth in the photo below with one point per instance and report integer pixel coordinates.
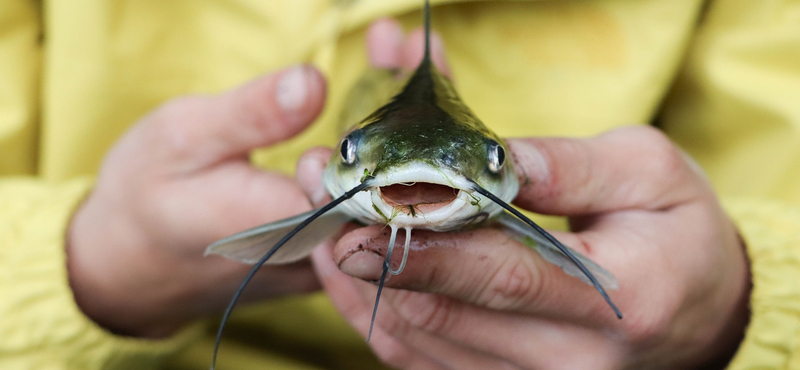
(419, 197)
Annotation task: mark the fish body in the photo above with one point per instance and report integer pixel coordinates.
(421, 161)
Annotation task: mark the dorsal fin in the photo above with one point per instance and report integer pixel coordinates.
(420, 87)
(426, 58)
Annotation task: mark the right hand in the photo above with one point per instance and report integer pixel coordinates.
(480, 299)
(177, 181)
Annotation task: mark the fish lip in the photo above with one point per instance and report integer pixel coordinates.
(430, 220)
(419, 173)
(422, 172)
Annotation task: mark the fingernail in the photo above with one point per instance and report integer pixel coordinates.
(292, 89)
(363, 264)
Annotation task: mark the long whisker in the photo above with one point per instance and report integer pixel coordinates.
(383, 279)
(349, 194)
(553, 240)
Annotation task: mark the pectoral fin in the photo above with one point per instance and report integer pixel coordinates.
(250, 245)
(550, 252)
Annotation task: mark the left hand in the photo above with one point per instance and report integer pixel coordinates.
(479, 299)
(135, 246)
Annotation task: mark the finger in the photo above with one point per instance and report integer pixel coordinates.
(633, 167)
(448, 351)
(268, 283)
(407, 347)
(413, 329)
(509, 335)
(309, 174)
(485, 267)
(414, 49)
(527, 341)
(347, 299)
(455, 334)
(385, 43)
(202, 130)
(240, 198)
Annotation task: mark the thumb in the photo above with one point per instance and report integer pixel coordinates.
(203, 130)
(627, 168)
(486, 267)
(309, 175)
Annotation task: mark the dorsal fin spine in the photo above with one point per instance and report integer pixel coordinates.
(426, 58)
(420, 86)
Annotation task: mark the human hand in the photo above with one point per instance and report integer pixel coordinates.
(479, 299)
(177, 181)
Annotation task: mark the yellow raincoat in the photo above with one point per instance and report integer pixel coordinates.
(722, 78)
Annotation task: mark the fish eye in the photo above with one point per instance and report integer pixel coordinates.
(348, 150)
(497, 157)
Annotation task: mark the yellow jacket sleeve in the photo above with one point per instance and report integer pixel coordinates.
(735, 109)
(41, 327)
(772, 340)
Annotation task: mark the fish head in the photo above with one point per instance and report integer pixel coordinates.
(422, 162)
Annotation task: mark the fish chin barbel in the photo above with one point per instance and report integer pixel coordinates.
(423, 160)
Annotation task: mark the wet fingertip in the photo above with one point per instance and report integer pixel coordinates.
(384, 43)
(362, 263)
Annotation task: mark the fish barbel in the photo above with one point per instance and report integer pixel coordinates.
(421, 161)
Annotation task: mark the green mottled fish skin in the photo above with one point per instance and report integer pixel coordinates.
(425, 123)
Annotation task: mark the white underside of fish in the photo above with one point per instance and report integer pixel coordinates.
(372, 206)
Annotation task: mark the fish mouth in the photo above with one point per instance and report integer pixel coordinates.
(418, 197)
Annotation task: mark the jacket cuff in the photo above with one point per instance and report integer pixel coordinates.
(772, 236)
(42, 326)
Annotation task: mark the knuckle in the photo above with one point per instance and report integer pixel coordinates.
(170, 127)
(659, 153)
(515, 284)
(396, 326)
(654, 155)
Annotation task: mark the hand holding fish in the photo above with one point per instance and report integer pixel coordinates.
(177, 181)
(482, 299)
